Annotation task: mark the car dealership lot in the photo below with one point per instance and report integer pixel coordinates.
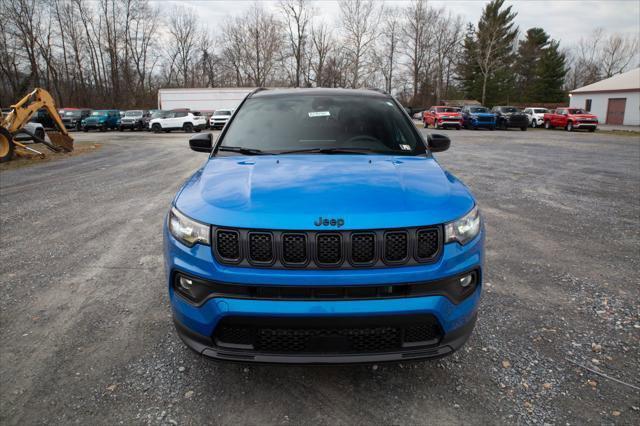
(86, 331)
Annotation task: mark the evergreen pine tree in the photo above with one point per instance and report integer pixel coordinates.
(530, 51)
(550, 74)
(467, 67)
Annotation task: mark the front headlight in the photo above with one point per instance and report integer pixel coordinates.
(464, 229)
(186, 230)
(474, 116)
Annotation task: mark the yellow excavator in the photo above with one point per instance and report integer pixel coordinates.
(20, 114)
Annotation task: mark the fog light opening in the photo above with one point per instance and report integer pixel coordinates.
(466, 281)
(185, 284)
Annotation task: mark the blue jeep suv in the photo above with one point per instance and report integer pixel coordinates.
(322, 230)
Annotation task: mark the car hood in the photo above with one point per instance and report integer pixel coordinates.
(293, 191)
(95, 119)
(483, 114)
(448, 114)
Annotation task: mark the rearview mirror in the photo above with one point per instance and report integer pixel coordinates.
(202, 142)
(438, 142)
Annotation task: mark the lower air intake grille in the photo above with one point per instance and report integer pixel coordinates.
(228, 244)
(334, 339)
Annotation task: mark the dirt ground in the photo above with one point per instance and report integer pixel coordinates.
(86, 334)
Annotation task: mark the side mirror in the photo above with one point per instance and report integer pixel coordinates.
(438, 142)
(202, 142)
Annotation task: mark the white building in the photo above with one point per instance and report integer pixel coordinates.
(207, 99)
(615, 100)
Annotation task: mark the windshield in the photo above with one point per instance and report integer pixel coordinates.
(447, 109)
(134, 113)
(540, 110)
(276, 124)
(478, 109)
(509, 109)
(72, 113)
(98, 113)
(576, 111)
(159, 114)
(223, 112)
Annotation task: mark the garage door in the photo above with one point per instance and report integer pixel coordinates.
(615, 111)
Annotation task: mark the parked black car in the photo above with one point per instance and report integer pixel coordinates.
(72, 117)
(508, 116)
(135, 119)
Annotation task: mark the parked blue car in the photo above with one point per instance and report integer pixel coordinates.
(104, 119)
(321, 230)
(474, 116)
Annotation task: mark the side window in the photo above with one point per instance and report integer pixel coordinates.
(180, 114)
(587, 105)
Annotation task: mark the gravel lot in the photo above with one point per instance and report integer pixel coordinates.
(85, 326)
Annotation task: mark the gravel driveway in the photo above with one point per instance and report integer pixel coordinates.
(85, 325)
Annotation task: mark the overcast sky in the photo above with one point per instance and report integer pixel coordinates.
(565, 20)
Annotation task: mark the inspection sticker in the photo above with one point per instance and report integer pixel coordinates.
(405, 147)
(319, 114)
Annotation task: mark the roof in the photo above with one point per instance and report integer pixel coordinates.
(318, 91)
(627, 81)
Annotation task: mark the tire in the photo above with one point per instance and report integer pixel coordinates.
(547, 125)
(458, 127)
(188, 127)
(156, 128)
(591, 130)
(102, 128)
(570, 126)
(524, 129)
(6, 145)
(40, 133)
(85, 130)
(121, 128)
(426, 126)
(78, 127)
(534, 123)
(492, 128)
(167, 130)
(198, 130)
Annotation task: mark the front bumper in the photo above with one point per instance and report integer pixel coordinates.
(585, 125)
(197, 324)
(479, 123)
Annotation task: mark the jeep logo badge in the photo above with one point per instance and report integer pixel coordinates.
(329, 222)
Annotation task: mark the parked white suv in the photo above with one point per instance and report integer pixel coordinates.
(178, 120)
(220, 118)
(536, 116)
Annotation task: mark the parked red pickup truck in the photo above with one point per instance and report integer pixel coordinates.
(570, 119)
(442, 116)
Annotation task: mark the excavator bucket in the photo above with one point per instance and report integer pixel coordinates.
(61, 141)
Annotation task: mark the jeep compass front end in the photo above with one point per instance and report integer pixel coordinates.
(322, 230)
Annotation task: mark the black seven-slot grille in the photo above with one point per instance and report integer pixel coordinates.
(335, 249)
(329, 338)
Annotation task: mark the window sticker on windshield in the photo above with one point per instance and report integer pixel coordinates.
(405, 147)
(319, 114)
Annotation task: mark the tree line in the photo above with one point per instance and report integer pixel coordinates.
(118, 53)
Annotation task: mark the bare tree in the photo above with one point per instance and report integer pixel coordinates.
(616, 53)
(387, 52)
(183, 28)
(360, 19)
(417, 43)
(296, 15)
(322, 41)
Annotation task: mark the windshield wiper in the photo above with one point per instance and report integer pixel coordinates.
(331, 151)
(244, 151)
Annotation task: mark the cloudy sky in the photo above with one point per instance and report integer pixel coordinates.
(565, 20)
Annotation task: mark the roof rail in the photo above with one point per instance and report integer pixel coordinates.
(376, 89)
(256, 90)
